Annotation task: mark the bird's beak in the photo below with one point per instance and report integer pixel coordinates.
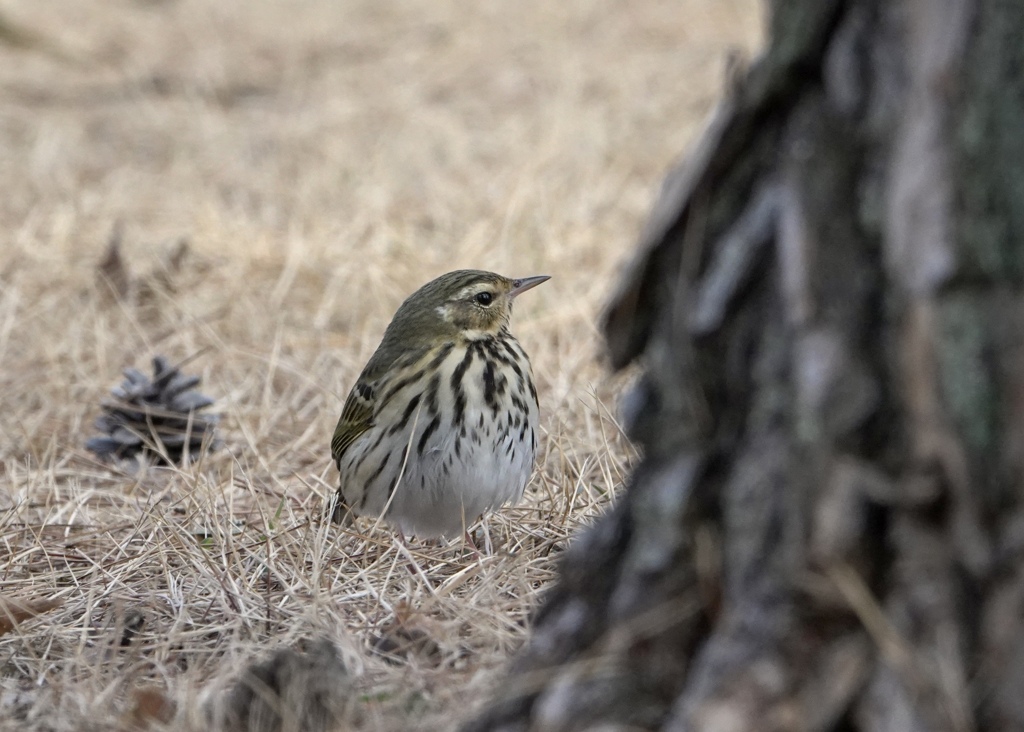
(527, 283)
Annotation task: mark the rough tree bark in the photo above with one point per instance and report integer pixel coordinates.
(827, 527)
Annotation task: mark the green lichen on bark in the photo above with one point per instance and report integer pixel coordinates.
(967, 378)
(989, 163)
(798, 33)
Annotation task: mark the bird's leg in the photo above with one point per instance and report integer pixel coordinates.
(340, 513)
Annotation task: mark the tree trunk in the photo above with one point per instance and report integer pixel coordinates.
(827, 527)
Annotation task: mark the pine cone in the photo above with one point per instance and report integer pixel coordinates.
(159, 417)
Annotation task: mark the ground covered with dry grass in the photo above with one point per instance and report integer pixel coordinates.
(281, 174)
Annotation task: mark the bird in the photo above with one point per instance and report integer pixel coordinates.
(441, 426)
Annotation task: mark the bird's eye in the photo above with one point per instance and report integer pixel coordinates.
(484, 298)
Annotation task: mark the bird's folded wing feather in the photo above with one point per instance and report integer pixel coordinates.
(358, 412)
(356, 418)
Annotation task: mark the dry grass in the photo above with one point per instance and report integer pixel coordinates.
(321, 159)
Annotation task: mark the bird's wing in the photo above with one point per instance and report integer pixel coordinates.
(361, 406)
(356, 417)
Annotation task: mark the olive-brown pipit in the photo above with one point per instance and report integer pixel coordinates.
(441, 426)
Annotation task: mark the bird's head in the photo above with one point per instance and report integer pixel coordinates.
(470, 303)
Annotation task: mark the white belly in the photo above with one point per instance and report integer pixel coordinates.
(444, 492)
(440, 484)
